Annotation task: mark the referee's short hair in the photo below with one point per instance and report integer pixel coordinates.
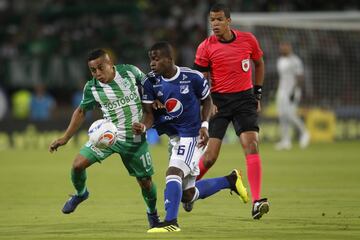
(218, 7)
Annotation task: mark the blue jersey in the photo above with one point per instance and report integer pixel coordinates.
(163, 123)
(181, 97)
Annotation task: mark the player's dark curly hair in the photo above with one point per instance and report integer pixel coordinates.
(218, 7)
(165, 48)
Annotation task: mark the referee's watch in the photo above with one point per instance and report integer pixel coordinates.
(258, 92)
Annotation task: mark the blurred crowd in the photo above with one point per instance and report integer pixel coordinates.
(43, 43)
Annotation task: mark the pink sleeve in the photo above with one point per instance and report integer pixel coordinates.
(202, 56)
(257, 52)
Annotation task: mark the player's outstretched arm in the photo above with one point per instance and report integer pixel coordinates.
(147, 120)
(77, 119)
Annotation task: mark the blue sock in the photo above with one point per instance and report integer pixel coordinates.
(210, 186)
(173, 194)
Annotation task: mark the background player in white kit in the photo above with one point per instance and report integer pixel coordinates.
(291, 77)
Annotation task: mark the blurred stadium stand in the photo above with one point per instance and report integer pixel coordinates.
(46, 41)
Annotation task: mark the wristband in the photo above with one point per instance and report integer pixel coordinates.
(205, 124)
(258, 92)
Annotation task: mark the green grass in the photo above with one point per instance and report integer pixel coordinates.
(314, 194)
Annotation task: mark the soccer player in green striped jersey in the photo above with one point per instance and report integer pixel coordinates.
(114, 88)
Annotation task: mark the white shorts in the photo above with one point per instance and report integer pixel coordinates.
(185, 155)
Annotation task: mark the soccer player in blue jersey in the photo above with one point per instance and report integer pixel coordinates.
(182, 91)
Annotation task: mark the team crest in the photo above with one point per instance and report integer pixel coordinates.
(174, 107)
(125, 83)
(245, 64)
(184, 89)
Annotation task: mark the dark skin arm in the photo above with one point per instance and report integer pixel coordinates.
(259, 75)
(214, 109)
(207, 75)
(205, 116)
(147, 120)
(77, 119)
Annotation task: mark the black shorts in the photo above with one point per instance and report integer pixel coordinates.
(239, 108)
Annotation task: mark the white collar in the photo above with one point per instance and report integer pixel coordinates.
(174, 77)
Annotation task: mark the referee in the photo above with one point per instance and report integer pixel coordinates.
(225, 58)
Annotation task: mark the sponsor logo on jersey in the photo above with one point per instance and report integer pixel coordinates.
(94, 149)
(174, 107)
(159, 94)
(157, 81)
(125, 100)
(168, 118)
(184, 77)
(184, 89)
(245, 64)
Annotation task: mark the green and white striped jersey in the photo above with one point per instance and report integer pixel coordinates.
(119, 99)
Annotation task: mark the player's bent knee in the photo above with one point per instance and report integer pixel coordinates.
(80, 163)
(175, 171)
(145, 183)
(210, 159)
(188, 195)
(78, 167)
(209, 162)
(251, 147)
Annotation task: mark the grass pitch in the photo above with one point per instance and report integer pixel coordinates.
(314, 194)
